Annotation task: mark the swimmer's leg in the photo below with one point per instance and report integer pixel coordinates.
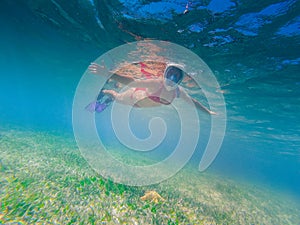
(100, 95)
(112, 93)
(125, 97)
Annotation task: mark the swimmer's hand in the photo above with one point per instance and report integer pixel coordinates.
(212, 112)
(96, 68)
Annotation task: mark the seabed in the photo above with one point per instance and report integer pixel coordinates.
(45, 180)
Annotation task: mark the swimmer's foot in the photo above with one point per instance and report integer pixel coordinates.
(100, 107)
(96, 106)
(91, 107)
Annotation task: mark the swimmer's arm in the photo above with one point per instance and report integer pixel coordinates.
(127, 80)
(202, 107)
(186, 97)
(98, 69)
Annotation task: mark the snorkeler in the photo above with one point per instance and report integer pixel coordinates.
(145, 93)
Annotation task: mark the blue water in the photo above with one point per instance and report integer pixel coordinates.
(254, 53)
